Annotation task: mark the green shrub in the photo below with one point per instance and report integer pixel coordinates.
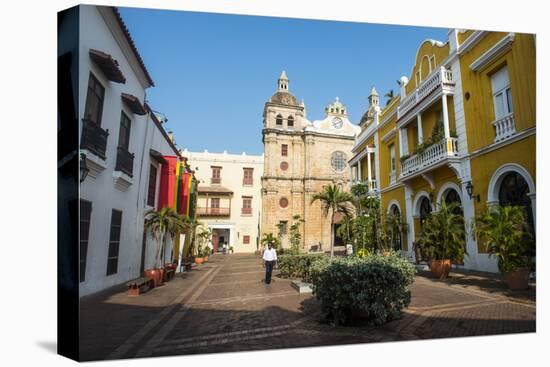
(297, 266)
(376, 286)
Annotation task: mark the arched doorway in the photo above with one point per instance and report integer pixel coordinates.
(514, 191)
(424, 210)
(397, 238)
(451, 196)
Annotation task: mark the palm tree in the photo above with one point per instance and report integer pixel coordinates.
(443, 235)
(162, 222)
(270, 238)
(389, 96)
(505, 233)
(333, 200)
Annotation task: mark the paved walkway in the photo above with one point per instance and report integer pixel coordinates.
(223, 306)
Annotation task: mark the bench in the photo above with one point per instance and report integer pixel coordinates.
(139, 285)
(169, 274)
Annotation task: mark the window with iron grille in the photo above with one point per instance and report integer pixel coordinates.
(248, 176)
(85, 219)
(246, 240)
(338, 161)
(93, 109)
(152, 190)
(284, 150)
(114, 242)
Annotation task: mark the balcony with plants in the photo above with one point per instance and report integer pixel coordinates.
(431, 152)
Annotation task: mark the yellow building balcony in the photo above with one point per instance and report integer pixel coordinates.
(505, 127)
(437, 83)
(434, 156)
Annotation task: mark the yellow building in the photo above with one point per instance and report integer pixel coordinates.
(461, 129)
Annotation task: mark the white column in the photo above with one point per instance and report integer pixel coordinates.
(369, 172)
(419, 127)
(350, 175)
(359, 177)
(470, 260)
(403, 145)
(232, 237)
(410, 221)
(445, 116)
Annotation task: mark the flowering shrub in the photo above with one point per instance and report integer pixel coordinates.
(297, 266)
(376, 287)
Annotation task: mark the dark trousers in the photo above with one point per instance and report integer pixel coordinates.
(268, 271)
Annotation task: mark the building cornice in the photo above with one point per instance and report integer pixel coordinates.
(471, 41)
(491, 54)
(514, 138)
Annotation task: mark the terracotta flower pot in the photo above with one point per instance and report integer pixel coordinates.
(199, 260)
(155, 275)
(162, 273)
(206, 258)
(517, 279)
(440, 268)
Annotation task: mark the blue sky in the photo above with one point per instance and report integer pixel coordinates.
(214, 72)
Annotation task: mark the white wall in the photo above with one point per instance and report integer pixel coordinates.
(101, 191)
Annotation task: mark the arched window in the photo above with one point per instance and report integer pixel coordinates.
(451, 196)
(425, 210)
(279, 120)
(290, 121)
(396, 236)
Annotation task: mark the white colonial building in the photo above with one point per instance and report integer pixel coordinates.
(122, 146)
(229, 197)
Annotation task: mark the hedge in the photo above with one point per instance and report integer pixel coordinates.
(297, 266)
(375, 287)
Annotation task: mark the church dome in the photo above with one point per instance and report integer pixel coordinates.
(285, 98)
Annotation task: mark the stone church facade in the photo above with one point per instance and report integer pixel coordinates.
(300, 158)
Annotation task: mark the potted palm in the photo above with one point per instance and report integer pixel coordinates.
(333, 201)
(199, 258)
(505, 233)
(161, 223)
(442, 239)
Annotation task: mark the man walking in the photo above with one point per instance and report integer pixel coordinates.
(270, 260)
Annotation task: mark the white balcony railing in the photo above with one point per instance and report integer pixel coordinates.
(436, 153)
(504, 127)
(441, 77)
(372, 185)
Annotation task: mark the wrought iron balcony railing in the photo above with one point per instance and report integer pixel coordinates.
(94, 138)
(124, 161)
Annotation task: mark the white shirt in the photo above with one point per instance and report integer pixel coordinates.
(270, 255)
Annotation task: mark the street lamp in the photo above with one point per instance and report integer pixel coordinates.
(470, 190)
(83, 167)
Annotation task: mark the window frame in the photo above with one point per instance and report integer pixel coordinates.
(114, 244)
(216, 174)
(505, 92)
(126, 129)
(246, 205)
(101, 99)
(84, 244)
(248, 181)
(154, 186)
(284, 150)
